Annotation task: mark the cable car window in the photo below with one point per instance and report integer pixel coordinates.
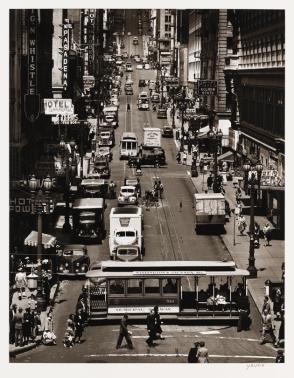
(169, 286)
(134, 286)
(116, 287)
(203, 283)
(222, 287)
(152, 286)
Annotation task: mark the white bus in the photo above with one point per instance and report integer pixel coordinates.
(128, 145)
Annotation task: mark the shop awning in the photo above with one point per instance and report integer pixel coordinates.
(48, 241)
(227, 156)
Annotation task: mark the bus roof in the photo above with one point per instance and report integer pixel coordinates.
(88, 203)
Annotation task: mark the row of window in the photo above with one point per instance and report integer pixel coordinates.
(264, 108)
(203, 286)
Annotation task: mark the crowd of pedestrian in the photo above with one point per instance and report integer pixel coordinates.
(76, 323)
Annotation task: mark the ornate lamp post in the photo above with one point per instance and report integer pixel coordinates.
(38, 208)
(65, 154)
(253, 172)
(215, 137)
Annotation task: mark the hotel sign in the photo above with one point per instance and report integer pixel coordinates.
(54, 106)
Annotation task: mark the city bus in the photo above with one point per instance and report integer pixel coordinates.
(183, 290)
(128, 145)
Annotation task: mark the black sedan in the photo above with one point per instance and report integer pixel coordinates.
(152, 157)
(167, 132)
(73, 260)
(142, 83)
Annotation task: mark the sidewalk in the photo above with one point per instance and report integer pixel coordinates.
(27, 302)
(268, 260)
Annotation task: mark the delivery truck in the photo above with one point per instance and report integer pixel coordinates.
(126, 240)
(152, 137)
(209, 211)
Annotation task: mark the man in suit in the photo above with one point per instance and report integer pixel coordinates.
(123, 332)
(151, 328)
(192, 356)
(158, 328)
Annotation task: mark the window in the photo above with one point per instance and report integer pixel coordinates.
(134, 286)
(167, 27)
(116, 287)
(169, 286)
(167, 18)
(152, 286)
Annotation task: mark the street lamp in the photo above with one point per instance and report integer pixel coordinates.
(215, 137)
(38, 207)
(253, 172)
(65, 154)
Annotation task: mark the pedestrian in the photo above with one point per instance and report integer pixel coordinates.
(141, 149)
(161, 190)
(21, 282)
(181, 205)
(184, 158)
(83, 306)
(192, 356)
(18, 321)
(267, 234)
(209, 181)
(241, 224)
(27, 336)
(277, 302)
(68, 340)
(12, 313)
(178, 157)
(256, 234)
(267, 328)
(244, 320)
(266, 305)
(201, 165)
(79, 326)
(128, 107)
(158, 329)
(202, 353)
(150, 320)
(93, 156)
(124, 333)
(280, 359)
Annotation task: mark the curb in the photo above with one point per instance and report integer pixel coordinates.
(18, 350)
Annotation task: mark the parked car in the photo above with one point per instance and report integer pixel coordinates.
(73, 260)
(101, 167)
(135, 41)
(139, 67)
(167, 132)
(155, 98)
(105, 152)
(162, 113)
(147, 66)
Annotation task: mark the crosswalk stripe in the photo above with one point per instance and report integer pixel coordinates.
(174, 355)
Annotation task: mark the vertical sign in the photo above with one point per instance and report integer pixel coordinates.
(65, 50)
(84, 39)
(32, 98)
(91, 24)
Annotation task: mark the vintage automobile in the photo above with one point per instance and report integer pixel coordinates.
(133, 181)
(142, 83)
(127, 196)
(73, 260)
(105, 152)
(91, 188)
(162, 113)
(101, 167)
(106, 137)
(167, 132)
(155, 98)
(154, 157)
